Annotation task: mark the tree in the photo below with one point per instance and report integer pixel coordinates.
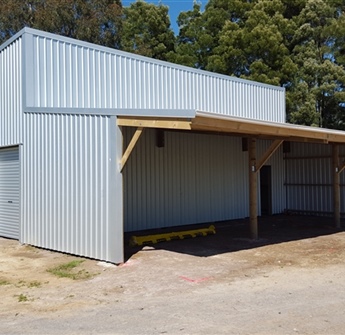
(96, 21)
(188, 50)
(319, 76)
(146, 30)
(199, 32)
(257, 48)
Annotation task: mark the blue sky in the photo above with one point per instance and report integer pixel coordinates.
(175, 7)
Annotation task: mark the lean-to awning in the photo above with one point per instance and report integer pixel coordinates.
(210, 122)
(253, 130)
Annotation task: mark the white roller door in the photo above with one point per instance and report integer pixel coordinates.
(9, 192)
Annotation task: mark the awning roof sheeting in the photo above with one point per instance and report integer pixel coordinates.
(217, 123)
(211, 122)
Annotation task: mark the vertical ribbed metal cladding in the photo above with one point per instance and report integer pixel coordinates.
(9, 192)
(77, 74)
(11, 93)
(194, 178)
(309, 178)
(68, 166)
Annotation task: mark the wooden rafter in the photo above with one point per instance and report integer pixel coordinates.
(268, 154)
(130, 147)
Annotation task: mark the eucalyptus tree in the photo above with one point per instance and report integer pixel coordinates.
(97, 21)
(317, 97)
(199, 32)
(146, 30)
(188, 49)
(257, 48)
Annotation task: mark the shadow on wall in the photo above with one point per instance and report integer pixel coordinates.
(234, 235)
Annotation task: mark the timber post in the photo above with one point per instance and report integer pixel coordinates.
(253, 186)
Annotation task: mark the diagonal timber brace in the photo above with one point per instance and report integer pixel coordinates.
(341, 168)
(130, 147)
(268, 154)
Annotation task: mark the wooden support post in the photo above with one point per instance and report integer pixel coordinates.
(336, 184)
(253, 186)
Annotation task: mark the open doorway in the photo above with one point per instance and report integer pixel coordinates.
(266, 190)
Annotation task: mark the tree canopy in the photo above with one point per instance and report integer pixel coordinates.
(296, 44)
(97, 21)
(146, 30)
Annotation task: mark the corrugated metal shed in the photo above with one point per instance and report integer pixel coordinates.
(61, 105)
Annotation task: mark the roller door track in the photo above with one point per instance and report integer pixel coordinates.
(9, 193)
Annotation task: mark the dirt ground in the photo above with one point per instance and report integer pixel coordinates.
(290, 281)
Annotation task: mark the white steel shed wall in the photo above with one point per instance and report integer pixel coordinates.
(309, 179)
(11, 92)
(195, 178)
(72, 189)
(65, 73)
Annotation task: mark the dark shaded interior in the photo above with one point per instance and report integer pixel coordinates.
(234, 235)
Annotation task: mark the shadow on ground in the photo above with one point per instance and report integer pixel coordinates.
(234, 235)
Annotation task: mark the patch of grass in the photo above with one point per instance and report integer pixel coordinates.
(31, 248)
(21, 283)
(68, 270)
(4, 282)
(22, 298)
(34, 283)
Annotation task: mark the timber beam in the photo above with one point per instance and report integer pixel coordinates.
(147, 122)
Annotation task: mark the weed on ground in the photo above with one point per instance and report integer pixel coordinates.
(68, 270)
(22, 298)
(4, 282)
